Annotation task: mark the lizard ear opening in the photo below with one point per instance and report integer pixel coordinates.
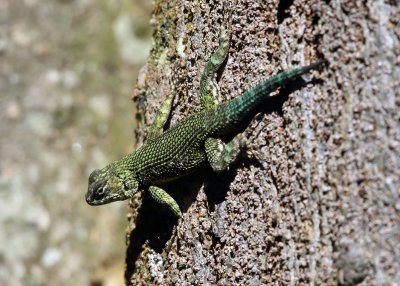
(131, 184)
(131, 188)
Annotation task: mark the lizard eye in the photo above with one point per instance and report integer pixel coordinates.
(100, 192)
(99, 188)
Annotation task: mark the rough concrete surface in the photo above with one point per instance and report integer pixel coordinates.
(316, 201)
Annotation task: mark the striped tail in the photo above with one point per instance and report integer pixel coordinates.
(239, 107)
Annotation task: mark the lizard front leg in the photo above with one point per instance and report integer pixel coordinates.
(164, 198)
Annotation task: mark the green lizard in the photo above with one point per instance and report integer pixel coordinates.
(189, 144)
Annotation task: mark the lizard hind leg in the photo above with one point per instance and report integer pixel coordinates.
(208, 86)
(220, 155)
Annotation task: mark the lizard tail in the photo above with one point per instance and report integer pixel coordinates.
(239, 107)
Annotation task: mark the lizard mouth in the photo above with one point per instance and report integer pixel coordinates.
(95, 199)
(89, 200)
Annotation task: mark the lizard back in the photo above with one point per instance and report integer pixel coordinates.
(180, 150)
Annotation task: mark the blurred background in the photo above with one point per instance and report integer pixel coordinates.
(67, 71)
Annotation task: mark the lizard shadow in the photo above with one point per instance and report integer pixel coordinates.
(154, 224)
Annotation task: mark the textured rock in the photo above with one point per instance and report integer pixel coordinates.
(317, 201)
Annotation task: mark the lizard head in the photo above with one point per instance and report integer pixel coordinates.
(108, 185)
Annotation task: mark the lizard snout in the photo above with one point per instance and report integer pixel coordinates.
(88, 198)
